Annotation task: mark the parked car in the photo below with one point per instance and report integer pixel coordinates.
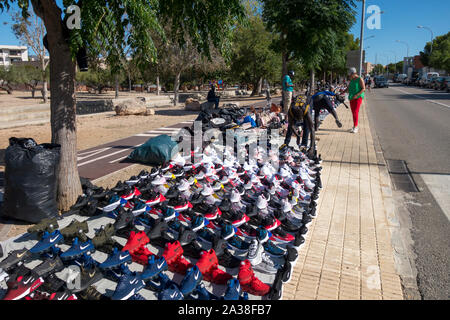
(446, 84)
(401, 77)
(380, 82)
(427, 78)
(410, 81)
(430, 84)
(439, 83)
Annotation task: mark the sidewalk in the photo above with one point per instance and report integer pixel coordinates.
(348, 253)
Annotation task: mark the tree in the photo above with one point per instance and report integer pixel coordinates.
(103, 22)
(307, 27)
(30, 31)
(439, 57)
(378, 69)
(252, 58)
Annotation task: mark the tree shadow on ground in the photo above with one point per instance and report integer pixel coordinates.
(175, 113)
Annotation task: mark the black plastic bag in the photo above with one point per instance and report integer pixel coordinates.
(30, 180)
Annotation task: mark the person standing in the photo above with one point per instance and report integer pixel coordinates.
(356, 90)
(288, 91)
(212, 97)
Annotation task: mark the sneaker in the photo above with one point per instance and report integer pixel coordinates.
(14, 258)
(267, 265)
(207, 261)
(249, 282)
(135, 240)
(262, 235)
(49, 265)
(139, 208)
(158, 229)
(158, 283)
(23, 285)
(63, 295)
(172, 292)
(190, 281)
(141, 255)
(137, 296)
(77, 249)
(129, 284)
(227, 260)
(238, 245)
(273, 250)
(113, 203)
(47, 241)
(200, 293)
(154, 268)
(124, 219)
(278, 235)
(193, 249)
(227, 231)
(233, 291)
(91, 293)
(103, 236)
(48, 224)
(116, 259)
(255, 252)
(198, 223)
(186, 236)
(154, 198)
(73, 230)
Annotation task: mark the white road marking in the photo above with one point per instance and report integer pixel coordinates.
(87, 154)
(146, 135)
(117, 160)
(417, 96)
(439, 185)
(106, 156)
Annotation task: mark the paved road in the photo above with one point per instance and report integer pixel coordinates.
(413, 124)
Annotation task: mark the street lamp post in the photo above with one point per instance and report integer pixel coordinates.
(432, 36)
(407, 54)
(361, 45)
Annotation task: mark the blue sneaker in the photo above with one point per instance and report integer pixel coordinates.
(191, 280)
(48, 241)
(174, 226)
(114, 274)
(116, 259)
(140, 208)
(137, 296)
(262, 234)
(200, 293)
(244, 296)
(77, 249)
(113, 203)
(233, 291)
(198, 223)
(159, 282)
(237, 244)
(206, 235)
(86, 261)
(228, 231)
(154, 268)
(169, 214)
(273, 250)
(172, 292)
(145, 221)
(129, 284)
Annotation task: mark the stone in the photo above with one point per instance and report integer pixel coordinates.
(192, 105)
(131, 107)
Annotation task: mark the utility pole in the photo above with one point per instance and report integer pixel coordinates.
(361, 44)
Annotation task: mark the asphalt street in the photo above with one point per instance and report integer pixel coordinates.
(413, 125)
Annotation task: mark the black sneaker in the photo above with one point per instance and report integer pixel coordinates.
(52, 284)
(120, 186)
(193, 250)
(299, 239)
(159, 228)
(14, 258)
(291, 254)
(288, 226)
(49, 265)
(90, 209)
(88, 276)
(124, 219)
(186, 236)
(91, 293)
(227, 260)
(276, 290)
(172, 193)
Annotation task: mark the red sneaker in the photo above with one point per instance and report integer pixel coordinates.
(23, 286)
(180, 265)
(207, 261)
(62, 296)
(246, 273)
(141, 255)
(135, 241)
(249, 282)
(172, 252)
(218, 276)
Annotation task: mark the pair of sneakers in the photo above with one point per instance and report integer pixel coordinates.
(208, 265)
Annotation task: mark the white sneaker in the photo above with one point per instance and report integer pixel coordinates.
(352, 130)
(267, 265)
(255, 252)
(355, 130)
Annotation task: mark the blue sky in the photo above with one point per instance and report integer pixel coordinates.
(398, 22)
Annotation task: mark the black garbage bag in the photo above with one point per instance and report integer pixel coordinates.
(30, 180)
(155, 151)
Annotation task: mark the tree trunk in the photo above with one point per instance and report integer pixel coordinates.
(176, 88)
(45, 92)
(256, 88)
(33, 90)
(157, 86)
(117, 87)
(312, 80)
(62, 104)
(129, 81)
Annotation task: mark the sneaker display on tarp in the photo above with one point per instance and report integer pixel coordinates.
(47, 241)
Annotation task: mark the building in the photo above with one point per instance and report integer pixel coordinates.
(12, 54)
(367, 67)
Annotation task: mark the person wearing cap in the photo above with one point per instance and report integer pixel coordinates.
(288, 91)
(356, 90)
